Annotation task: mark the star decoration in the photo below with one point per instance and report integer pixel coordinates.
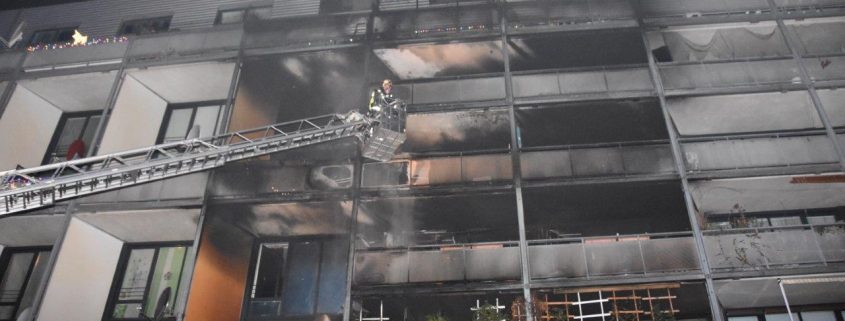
(79, 39)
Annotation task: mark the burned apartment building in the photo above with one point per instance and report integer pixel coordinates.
(566, 160)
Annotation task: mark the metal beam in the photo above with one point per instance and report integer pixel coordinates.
(357, 174)
(6, 95)
(517, 169)
(182, 304)
(353, 232)
(677, 154)
(808, 81)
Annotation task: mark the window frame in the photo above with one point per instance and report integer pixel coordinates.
(6, 258)
(322, 239)
(32, 42)
(218, 19)
(168, 113)
(126, 22)
(60, 127)
(123, 264)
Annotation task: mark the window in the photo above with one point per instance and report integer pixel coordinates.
(818, 316)
(298, 279)
(242, 14)
(180, 120)
(73, 136)
(781, 317)
(267, 282)
(145, 274)
(22, 270)
(52, 36)
(144, 26)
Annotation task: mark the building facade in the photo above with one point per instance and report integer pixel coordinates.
(565, 160)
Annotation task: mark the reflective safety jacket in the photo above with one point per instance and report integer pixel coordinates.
(379, 100)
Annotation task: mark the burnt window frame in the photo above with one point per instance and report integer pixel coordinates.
(162, 130)
(124, 24)
(55, 38)
(5, 260)
(54, 140)
(123, 264)
(289, 241)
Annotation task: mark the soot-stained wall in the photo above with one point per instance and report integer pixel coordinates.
(288, 87)
(220, 274)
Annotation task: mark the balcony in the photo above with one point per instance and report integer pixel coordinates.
(768, 248)
(215, 42)
(567, 258)
(75, 57)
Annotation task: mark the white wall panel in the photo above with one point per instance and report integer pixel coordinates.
(136, 119)
(81, 281)
(765, 194)
(834, 104)
(761, 152)
(26, 128)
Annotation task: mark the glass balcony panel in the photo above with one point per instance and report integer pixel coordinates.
(774, 248)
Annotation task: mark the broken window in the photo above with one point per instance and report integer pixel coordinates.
(298, 278)
(145, 277)
(73, 137)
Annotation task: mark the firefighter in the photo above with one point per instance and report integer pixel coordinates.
(380, 98)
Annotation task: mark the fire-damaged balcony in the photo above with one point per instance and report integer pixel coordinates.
(744, 57)
(767, 133)
(662, 12)
(616, 302)
(773, 224)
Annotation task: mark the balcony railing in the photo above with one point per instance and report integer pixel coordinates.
(763, 248)
(550, 259)
(679, 78)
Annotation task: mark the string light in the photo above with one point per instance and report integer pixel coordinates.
(93, 41)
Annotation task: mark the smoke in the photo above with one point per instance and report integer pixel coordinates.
(427, 61)
(435, 131)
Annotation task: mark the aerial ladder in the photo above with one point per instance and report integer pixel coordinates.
(38, 187)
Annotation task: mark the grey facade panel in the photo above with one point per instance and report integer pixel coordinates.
(761, 152)
(103, 17)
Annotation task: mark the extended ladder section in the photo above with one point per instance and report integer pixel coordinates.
(42, 186)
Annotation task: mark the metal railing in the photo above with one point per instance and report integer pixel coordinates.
(757, 248)
(587, 257)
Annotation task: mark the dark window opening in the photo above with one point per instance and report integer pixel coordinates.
(239, 15)
(73, 136)
(52, 36)
(662, 54)
(193, 120)
(144, 275)
(300, 278)
(144, 26)
(22, 270)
